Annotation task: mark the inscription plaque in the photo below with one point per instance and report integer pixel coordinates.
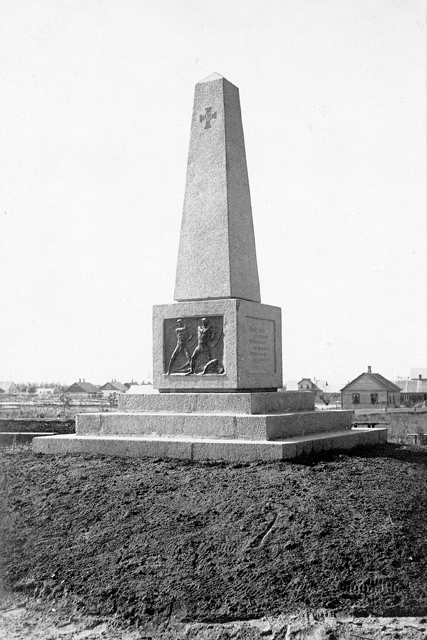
(261, 348)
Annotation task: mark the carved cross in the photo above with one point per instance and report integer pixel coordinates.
(208, 117)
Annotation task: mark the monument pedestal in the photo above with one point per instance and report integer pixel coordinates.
(213, 426)
(244, 346)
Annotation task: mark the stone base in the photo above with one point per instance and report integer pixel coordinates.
(208, 448)
(213, 425)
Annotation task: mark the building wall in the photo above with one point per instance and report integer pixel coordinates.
(384, 398)
(305, 385)
(106, 393)
(410, 399)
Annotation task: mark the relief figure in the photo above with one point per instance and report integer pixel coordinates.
(182, 340)
(205, 342)
(197, 347)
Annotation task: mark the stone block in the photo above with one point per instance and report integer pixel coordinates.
(268, 427)
(383, 435)
(237, 451)
(115, 446)
(245, 350)
(191, 448)
(236, 403)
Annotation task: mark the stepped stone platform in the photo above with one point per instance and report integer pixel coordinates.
(213, 426)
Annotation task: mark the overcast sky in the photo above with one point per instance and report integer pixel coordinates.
(95, 113)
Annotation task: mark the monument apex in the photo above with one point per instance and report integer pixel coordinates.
(217, 255)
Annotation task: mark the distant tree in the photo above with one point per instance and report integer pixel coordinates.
(65, 400)
(32, 388)
(326, 398)
(112, 399)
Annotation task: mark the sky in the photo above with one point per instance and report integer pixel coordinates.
(95, 114)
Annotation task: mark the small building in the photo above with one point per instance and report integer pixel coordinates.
(45, 391)
(414, 392)
(8, 387)
(112, 387)
(141, 389)
(370, 390)
(82, 389)
(306, 384)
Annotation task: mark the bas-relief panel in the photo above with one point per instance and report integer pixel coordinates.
(193, 345)
(261, 348)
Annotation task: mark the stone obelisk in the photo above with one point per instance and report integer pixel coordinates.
(217, 349)
(217, 257)
(218, 336)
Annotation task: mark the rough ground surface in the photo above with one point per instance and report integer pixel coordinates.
(23, 425)
(193, 550)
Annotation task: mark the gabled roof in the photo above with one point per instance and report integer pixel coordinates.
(314, 386)
(118, 386)
(412, 386)
(321, 384)
(82, 387)
(6, 385)
(382, 382)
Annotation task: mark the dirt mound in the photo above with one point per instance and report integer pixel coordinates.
(154, 541)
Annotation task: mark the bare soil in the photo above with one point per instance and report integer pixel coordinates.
(166, 548)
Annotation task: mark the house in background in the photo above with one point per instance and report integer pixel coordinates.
(128, 385)
(414, 389)
(145, 387)
(306, 384)
(45, 391)
(324, 393)
(82, 389)
(317, 387)
(370, 390)
(112, 387)
(8, 387)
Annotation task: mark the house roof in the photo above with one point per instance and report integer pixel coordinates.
(382, 382)
(142, 389)
(314, 385)
(416, 372)
(321, 384)
(412, 386)
(6, 385)
(118, 386)
(81, 387)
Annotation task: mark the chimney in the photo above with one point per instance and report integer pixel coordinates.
(79, 379)
(84, 380)
(369, 369)
(420, 377)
